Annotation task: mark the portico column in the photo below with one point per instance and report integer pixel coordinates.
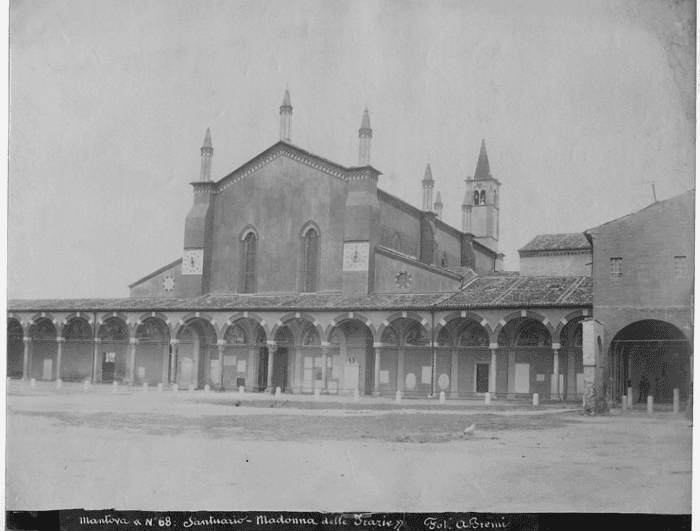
(132, 361)
(377, 366)
(271, 349)
(400, 370)
(59, 354)
(555, 371)
(95, 357)
(27, 366)
(221, 343)
(492, 370)
(571, 376)
(454, 374)
(325, 347)
(174, 346)
(250, 369)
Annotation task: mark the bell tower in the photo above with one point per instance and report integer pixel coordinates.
(480, 209)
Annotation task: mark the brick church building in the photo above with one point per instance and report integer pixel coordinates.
(300, 273)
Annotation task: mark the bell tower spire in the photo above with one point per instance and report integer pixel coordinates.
(481, 203)
(207, 153)
(286, 118)
(365, 139)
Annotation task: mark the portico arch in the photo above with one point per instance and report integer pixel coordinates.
(196, 351)
(113, 350)
(244, 345)
(44, 347)
(656, 350)
(351, 356)
(150, 358)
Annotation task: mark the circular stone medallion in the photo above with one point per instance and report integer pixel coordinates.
(410, 381)
(444, 381)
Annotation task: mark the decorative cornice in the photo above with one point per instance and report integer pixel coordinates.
(204, 187)
(290, 151)
(389, 253)
(530, 254)
(399, 204)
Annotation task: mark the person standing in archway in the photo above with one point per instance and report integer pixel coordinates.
(643, 388)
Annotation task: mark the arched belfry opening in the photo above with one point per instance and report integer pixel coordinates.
(655, 351)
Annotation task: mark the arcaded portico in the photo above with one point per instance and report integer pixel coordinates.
(420, 351)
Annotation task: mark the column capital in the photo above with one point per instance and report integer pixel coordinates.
(325, 344)
(556, 346)
(134, 341)
(174, 341)
(377, 345)
(27, 339)
(60, 340)
(221, 343)
(97, 340)
(493, 346)
(272, 343)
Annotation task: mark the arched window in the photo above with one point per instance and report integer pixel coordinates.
(482, 197)
(310, 260)
(250, 249)
(476, 197)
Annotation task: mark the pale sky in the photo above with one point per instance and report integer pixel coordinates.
(582, 104)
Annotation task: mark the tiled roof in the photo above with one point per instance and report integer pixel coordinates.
(296, 301)
(516, 291)
(492, 291)
(557, 242)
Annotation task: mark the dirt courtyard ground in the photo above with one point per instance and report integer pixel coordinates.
(96, 449)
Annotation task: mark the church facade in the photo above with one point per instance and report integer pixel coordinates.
(300, 273)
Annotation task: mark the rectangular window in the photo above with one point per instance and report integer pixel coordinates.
(615, 267)
(681, 265)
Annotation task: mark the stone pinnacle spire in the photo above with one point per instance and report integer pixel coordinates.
(365, 134)
(207, 152)
(428, 184)
(438, 206)
(286, 118)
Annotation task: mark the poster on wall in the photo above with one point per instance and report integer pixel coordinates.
(426, 375)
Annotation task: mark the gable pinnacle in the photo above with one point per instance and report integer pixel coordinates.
(286, 100)
(207, 140)
(483, 170)
(428, 176)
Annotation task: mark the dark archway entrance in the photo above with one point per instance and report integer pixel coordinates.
(15, 349)
(654, 356)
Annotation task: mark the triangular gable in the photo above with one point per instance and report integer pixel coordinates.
(285, 149)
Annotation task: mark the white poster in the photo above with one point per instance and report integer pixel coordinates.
(522, 377)
(229, 361)
(308, 362)
(142, 372)
(241, 365)
(383, 377)
(426, 375)
(579, 383)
